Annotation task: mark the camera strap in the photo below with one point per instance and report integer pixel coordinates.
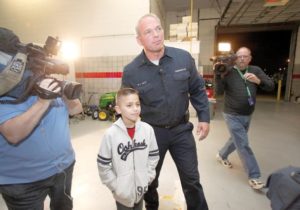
(12, 73)
(250, 98)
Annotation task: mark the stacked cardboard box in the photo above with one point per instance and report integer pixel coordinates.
(181, 31)
(193, 30)
(186, 30)
(173, 32)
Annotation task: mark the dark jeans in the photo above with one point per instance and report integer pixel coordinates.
(181, 144)
(31, 196)
(238, 126)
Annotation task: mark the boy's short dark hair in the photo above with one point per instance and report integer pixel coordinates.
(125, 92)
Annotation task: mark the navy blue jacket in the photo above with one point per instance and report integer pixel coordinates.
(165, 89)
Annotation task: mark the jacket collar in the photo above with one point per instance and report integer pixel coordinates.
(143, 60)
(120, 123)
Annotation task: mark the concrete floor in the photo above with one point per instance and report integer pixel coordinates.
(274, 137)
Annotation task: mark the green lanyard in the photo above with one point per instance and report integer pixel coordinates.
(243, 78)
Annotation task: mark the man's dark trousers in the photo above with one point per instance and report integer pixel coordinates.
(181, 144)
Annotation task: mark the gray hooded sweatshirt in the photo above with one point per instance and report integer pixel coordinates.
(127, 166)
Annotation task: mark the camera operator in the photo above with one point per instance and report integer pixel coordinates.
(36, 155)
(240, 83)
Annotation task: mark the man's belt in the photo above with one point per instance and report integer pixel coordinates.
(167, 126)
(183, 120)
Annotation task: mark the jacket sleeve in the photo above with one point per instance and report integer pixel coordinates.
(153, 157)
(125, 78)
(104, 162)
(266, 83)
(198, 96)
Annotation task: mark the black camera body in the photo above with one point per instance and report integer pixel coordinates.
(223, 63)
(37, 64)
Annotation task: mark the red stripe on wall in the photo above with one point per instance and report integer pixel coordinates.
(112, 75)
(99, 74)
(119, 75)
(296, 76)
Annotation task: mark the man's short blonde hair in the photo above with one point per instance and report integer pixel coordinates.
(137, 27)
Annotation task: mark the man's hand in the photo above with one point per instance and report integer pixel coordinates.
(202, 130)
(252, 78)
(48, 88)
(50, 84)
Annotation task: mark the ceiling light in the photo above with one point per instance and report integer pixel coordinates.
(224, 47)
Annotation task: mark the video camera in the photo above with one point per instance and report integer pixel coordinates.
(23, 66)
(223, 63)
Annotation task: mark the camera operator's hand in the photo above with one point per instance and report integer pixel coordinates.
(252, 78)
(48, 88)
(50, 84)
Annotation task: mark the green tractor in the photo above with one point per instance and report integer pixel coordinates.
(106, 109)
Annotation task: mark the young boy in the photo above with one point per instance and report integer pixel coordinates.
(128, 154)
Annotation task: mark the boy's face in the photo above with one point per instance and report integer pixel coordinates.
(129, 107)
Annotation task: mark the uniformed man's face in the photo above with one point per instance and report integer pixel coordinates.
(151, 35)
(243, 58)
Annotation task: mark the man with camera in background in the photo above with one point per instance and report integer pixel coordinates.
(240, 83)
(36, 155)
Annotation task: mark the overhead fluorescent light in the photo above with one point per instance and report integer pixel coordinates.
(274, 3)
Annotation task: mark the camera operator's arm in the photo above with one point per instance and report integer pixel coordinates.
(261, 79)
(74, 106)
(19, 127)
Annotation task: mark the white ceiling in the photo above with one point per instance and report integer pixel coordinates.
(242, 12)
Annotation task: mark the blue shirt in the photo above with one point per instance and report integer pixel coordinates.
(44, 152)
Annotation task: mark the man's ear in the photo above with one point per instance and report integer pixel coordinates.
(138, 40)
(117, 108)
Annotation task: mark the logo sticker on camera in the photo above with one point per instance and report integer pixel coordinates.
(17, 66)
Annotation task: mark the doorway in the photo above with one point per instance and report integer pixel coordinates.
(273, 49)
(270, 51)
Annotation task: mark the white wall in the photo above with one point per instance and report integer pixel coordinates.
(34, 20)
(295, 89)
(72, 20)
(116, 45)
(206, 26)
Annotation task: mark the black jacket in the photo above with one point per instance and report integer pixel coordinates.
(236, 97)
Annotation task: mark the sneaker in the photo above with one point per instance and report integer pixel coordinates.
(256, 184)
(224, 162)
